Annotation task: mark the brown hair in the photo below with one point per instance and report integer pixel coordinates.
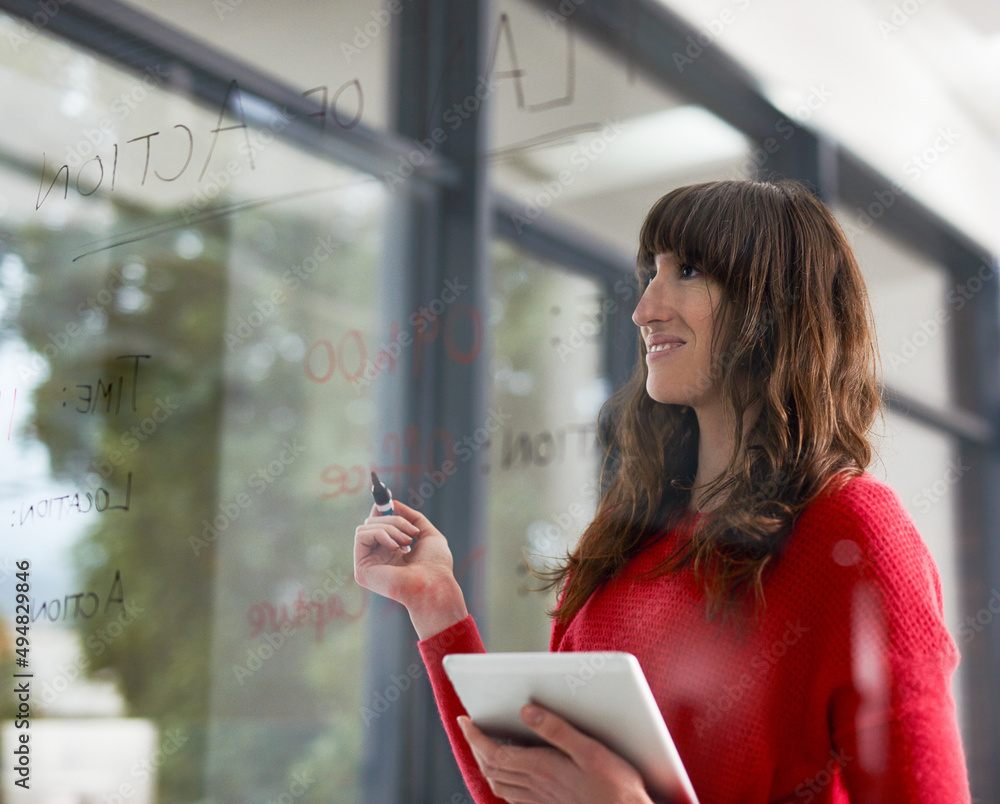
(796, 349)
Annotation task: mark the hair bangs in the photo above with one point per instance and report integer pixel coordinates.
(704, 225)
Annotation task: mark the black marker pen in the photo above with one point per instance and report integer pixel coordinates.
(382, 497)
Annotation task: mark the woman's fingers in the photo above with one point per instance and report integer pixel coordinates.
(393, 541)
(394, 520)
(493, 758)
(557, 732)
(413, 516)
(382, 533)
(392, 524)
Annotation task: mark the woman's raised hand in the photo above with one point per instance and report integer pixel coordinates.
(405, 558)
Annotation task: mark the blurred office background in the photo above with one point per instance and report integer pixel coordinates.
(250, 251)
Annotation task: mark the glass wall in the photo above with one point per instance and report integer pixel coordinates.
(187, 342)
(578, 138)
(581, 135)
(194, 351)
(548, 376)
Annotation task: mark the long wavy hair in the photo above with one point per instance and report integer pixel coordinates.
(793, 347)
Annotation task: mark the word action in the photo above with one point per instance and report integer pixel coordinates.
(56, 609)
(91, 174)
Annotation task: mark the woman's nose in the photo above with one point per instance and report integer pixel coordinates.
(640, 313)
(653, 305)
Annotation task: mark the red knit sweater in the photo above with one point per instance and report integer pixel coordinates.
(838, 692)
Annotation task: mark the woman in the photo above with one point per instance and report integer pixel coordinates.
(780, 601)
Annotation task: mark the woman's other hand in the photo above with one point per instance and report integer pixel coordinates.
(575, 770)
(405, 558)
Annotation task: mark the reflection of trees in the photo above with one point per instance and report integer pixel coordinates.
(223, 410)
(172, 309)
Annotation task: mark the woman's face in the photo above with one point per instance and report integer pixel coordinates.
(676, 316)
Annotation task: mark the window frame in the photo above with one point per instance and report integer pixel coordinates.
(445, 217)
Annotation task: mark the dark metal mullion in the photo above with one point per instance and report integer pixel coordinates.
(549, 239)
(974, 350)
(656, 40)
(965, 426)
(438, 53)
(872, 200)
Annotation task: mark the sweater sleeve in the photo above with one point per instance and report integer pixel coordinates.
(462, 637)
(892, 716)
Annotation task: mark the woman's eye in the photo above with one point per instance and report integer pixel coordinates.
(688, 271)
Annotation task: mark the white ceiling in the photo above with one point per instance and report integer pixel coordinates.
(914, 87)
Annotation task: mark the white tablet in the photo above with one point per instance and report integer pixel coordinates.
(603, 694)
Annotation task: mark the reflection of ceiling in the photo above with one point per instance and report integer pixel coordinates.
(917, 96)
(655, 146)
(914, 92)
(306, 43)
(984, 15)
